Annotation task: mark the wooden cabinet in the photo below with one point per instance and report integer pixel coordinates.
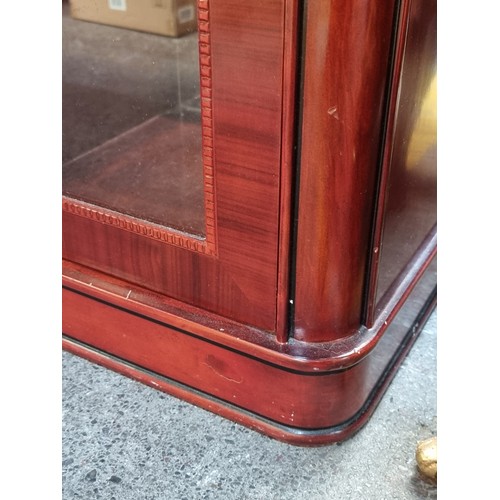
(290, 301)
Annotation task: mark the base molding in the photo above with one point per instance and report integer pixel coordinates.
(284, 398)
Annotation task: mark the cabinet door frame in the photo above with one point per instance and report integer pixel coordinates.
(239, 271)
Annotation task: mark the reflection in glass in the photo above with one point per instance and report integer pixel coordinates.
(131, 123)
(411, 198)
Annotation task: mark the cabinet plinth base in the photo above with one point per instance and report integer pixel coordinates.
(271, 388)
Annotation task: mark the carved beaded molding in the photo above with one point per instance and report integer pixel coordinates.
(205, 245)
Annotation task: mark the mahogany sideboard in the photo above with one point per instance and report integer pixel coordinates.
(291, 300)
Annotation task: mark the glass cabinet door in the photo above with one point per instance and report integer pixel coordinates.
(172, 156)
(132, 137)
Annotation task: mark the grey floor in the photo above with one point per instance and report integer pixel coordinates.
(126, 441)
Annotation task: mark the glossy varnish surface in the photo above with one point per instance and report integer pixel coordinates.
(301, 405)
(240, 280)
(347, 53)
(203, 326)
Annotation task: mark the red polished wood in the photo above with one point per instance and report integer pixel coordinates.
(347, 54)
(246, 42)
(290, 99)
(303, 407)
(294, 355)
(213, 328)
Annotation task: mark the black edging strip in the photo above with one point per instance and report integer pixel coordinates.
(204, 339)
(407, 341)
(188, 388)
(409, 338)
(299, 76)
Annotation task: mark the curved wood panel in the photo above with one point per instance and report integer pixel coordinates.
(347, 53)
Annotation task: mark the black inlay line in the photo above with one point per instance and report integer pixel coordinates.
(388, 373)
(299, 77)
(208, 341)
(415, 329)
(189, 388)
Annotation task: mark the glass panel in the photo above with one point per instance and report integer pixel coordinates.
(411, 199)
(131, 119)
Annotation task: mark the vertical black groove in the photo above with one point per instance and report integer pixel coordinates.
(299, 77)
(380, 160)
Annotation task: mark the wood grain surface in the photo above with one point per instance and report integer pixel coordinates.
(239, 281)
(347, 61)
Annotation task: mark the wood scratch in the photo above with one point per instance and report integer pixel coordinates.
(333, 112)
(239, 381)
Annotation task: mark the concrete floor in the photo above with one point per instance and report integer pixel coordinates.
(126, 441)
